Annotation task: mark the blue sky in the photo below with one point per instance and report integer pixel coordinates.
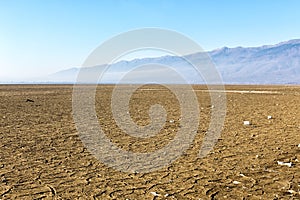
(42, 37)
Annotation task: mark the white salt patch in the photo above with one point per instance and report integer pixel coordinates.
(241, 91)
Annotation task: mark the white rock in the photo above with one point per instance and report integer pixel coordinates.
(292, 191)
(154, 194)
(247, 123)
(171, 121)
(270, 117)
(166, 195)
(299, 145)
(236, 182)
(289, 164)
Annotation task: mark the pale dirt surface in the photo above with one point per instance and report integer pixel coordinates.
(42, 157)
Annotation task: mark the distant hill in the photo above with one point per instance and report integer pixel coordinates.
(270, 64)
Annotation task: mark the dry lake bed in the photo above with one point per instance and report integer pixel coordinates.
(42, 156)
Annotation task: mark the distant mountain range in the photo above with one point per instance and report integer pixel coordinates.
(269, 64)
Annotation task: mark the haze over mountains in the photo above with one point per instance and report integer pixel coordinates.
(270, 64)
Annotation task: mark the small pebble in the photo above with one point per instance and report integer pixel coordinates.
(292, 191)
(236, 182)
(154, 194)
(247, 123)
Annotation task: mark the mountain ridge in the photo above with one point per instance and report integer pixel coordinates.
(267, 64)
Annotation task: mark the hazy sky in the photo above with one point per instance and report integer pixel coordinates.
(39, 37)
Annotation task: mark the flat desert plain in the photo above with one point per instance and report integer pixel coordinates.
(42, 156)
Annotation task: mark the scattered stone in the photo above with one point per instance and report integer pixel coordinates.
(154, 194)
(247, 123)
(292, 191)
(270, 117)
(166, 195)
(299, 145)
(236, 182)
(289, 164)
(171, 121)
